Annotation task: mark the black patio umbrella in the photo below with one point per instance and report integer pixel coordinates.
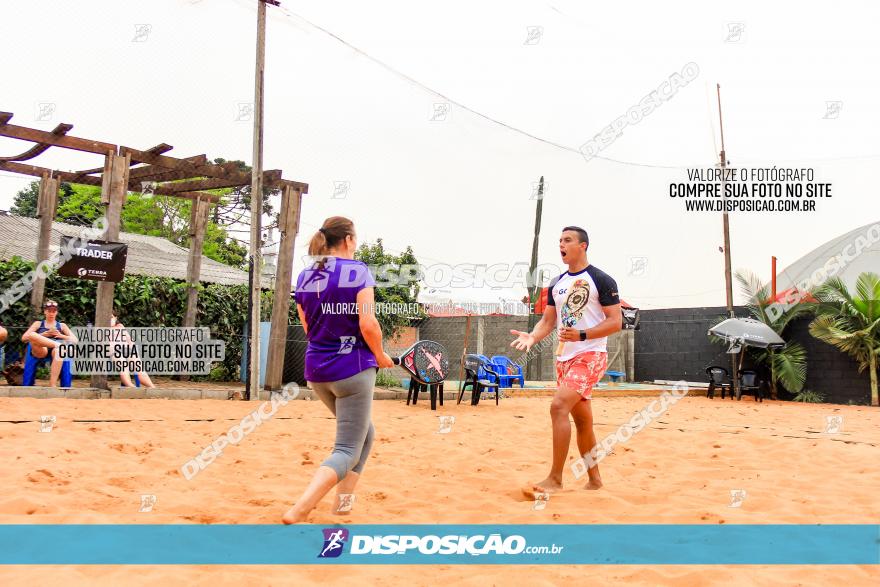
(749, 332)
(741, 332)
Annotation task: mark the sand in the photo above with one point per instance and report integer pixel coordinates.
(681, 469)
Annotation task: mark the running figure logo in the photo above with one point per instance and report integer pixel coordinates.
(315, 278)
(334, 540)
(346, 345)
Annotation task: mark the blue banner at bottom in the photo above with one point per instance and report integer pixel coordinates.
(544, 544)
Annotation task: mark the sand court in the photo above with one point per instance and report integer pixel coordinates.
(101, 457)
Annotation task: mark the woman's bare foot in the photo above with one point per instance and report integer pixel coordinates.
(548, 485)
(294, 516)
(594, 484)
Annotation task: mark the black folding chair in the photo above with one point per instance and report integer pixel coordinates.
(750, 383)
(415, 387)
(472, 366)
(719, 377)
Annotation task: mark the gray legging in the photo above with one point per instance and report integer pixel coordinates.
(351, 401)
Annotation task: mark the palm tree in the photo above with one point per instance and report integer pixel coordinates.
(852, 324)
(788, 365)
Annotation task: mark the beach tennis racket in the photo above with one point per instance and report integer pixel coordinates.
(573, 307)
(426, 361)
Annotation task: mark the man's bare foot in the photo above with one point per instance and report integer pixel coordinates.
(546, 486)
(294, 516)
(593, 484)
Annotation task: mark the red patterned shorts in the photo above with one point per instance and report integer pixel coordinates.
(582, 372)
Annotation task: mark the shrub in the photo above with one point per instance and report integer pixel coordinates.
(142, 301)
(810, 397)
(386, 379)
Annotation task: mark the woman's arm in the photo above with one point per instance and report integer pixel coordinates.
(302, 317)
(370, 328)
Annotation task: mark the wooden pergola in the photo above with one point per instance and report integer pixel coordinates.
(131, 170)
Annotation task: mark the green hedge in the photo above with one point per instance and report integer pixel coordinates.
(141, 301)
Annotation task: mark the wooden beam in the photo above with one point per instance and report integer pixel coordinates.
(59, 130)
(282, 183)
(153, 173)
(5, 117)
(208, 170)
(69, 177)
(155, 170)
(47, 138)
(158, 149)
(213, 183)
(37, 171)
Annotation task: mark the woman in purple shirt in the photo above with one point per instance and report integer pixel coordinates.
(335, 302)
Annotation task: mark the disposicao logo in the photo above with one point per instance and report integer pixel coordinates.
(451, 544)
(334, 540)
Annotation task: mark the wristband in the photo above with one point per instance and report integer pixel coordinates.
(583, 335)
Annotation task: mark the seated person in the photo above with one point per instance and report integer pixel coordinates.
(124, 376)
(45, 336)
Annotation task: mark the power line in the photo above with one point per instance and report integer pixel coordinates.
(463, 106)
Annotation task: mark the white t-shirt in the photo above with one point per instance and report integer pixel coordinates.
(579, 298)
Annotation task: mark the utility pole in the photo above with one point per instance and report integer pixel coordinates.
(254, 264)
(728, 277)
(534, 289)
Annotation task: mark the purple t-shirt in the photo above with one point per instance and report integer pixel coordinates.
(328, 297)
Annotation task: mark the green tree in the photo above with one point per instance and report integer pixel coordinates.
(82, 207)
(161, 216)
(388, 267)
(25, 201)
(788, 365)
(852, 323)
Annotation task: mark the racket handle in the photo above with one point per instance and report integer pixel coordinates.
(395, 360)
(559, 348)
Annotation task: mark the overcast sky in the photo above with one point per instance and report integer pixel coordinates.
(457, 188)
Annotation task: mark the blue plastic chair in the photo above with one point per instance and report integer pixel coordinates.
(503, 365)
(482, 373)
(473, 366)
(615, 375)
(31, 363)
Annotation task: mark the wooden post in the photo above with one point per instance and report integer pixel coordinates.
(198, 222)
(534, 285)
(728, 276)
(288, 225)
(46, 205)
(630, 355)
(257, 208)
(116, 189)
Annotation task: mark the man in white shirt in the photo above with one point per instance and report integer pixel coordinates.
(585, 303)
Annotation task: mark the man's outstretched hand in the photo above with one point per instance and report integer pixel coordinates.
(524, 340)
